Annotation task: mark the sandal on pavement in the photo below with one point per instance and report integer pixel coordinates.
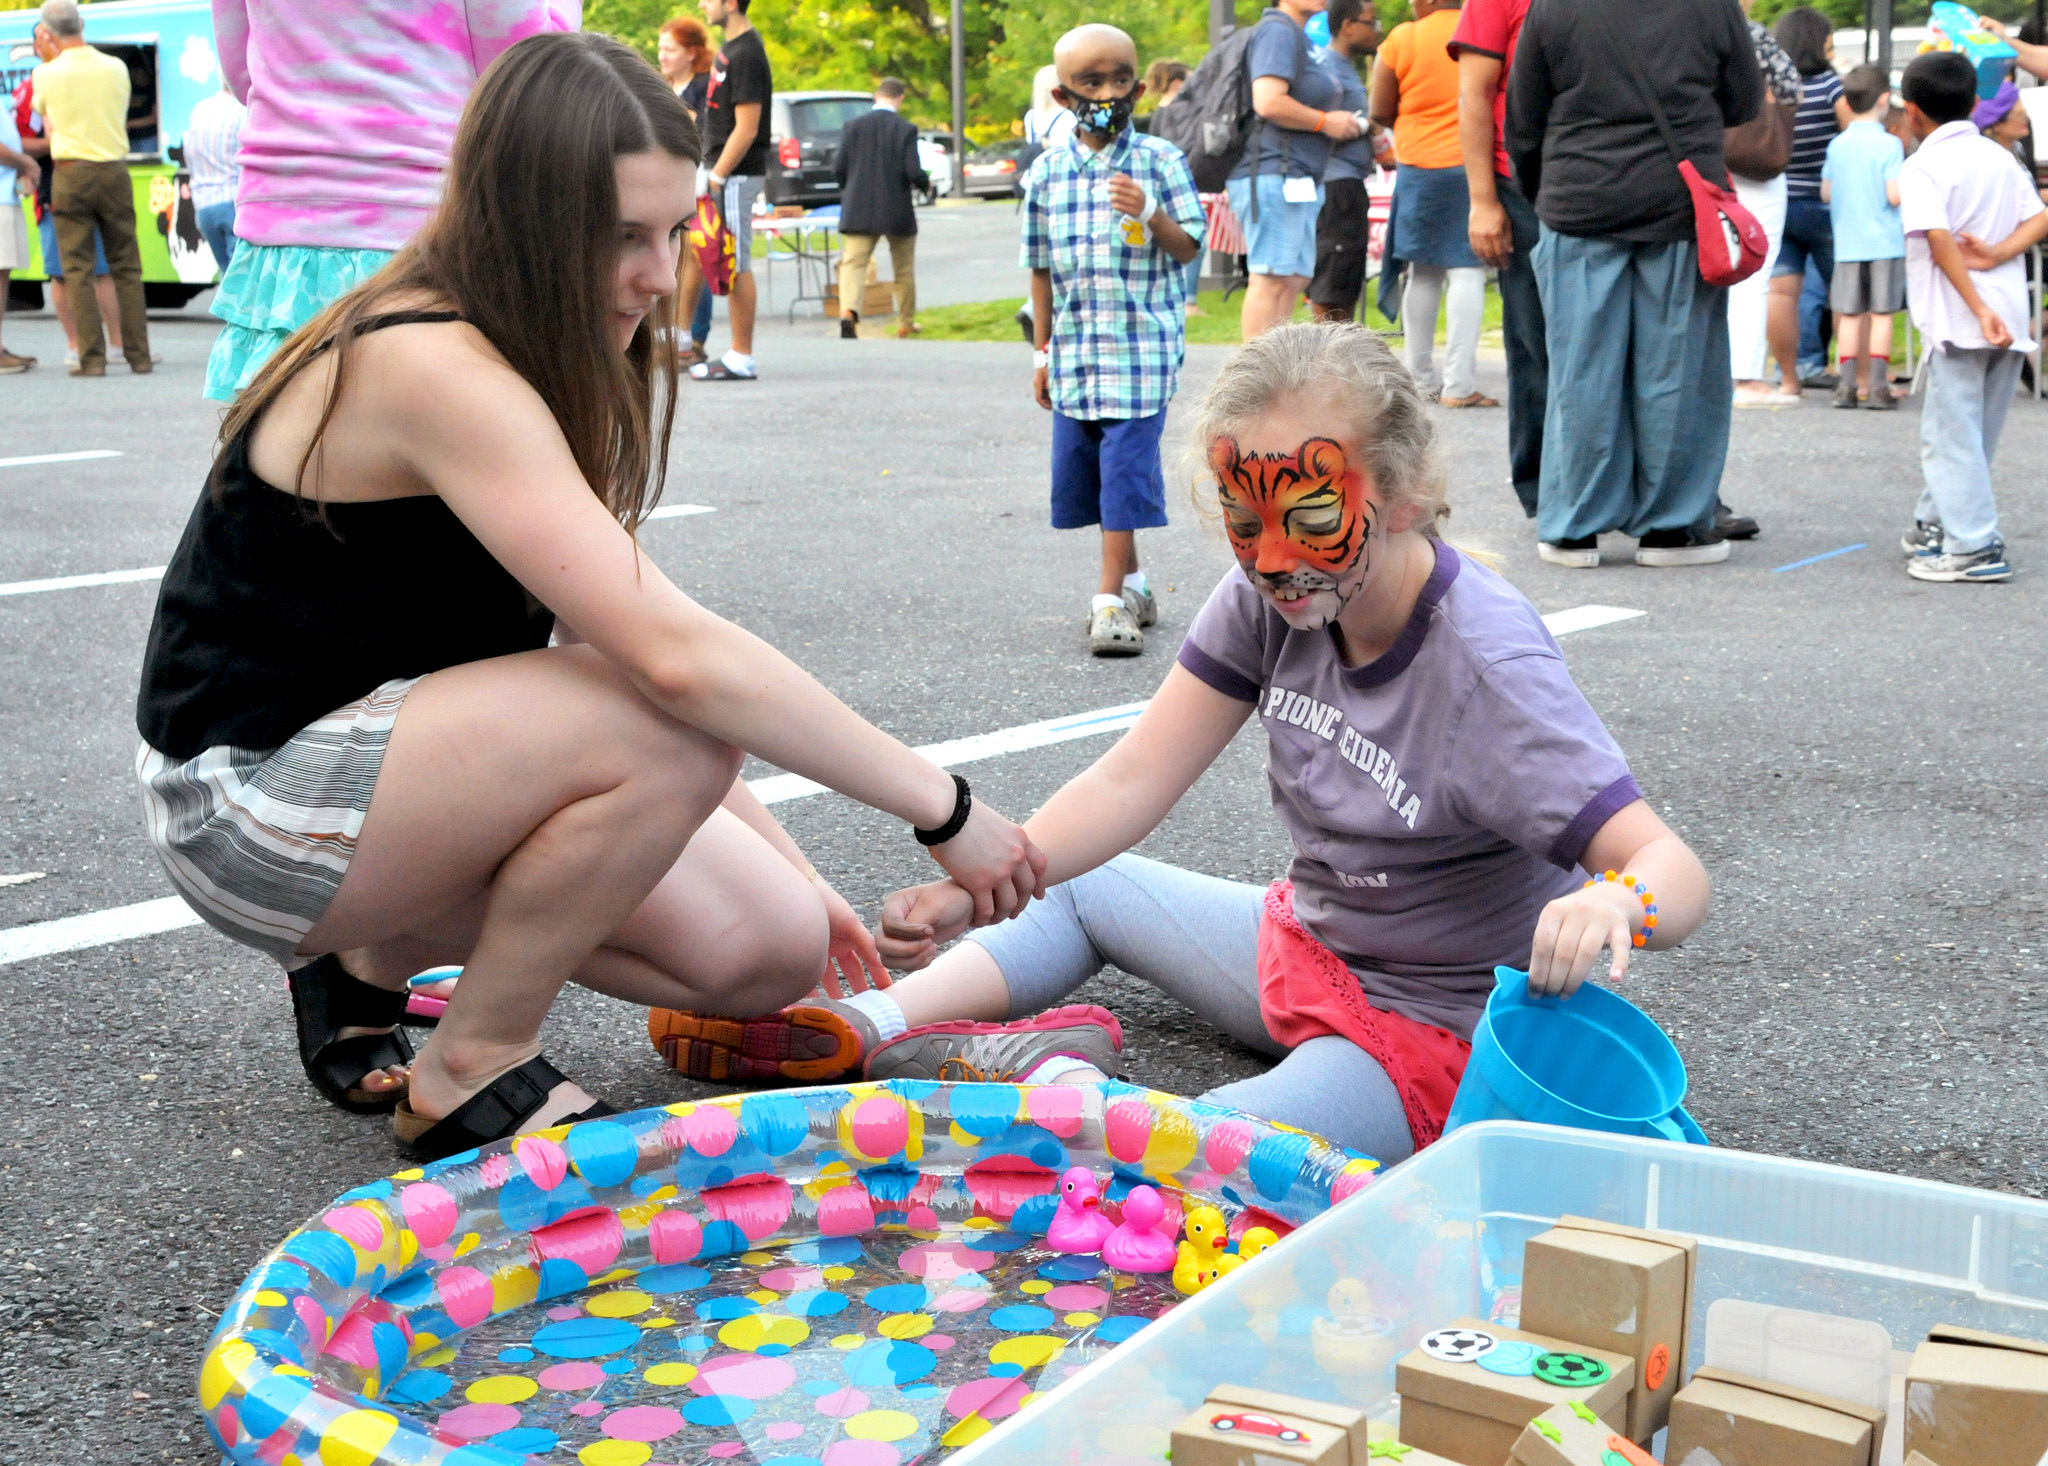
(1477, 399)
(327, 999)
(691, 355)
(718, 371)
(422, 1009)
(493, 1113)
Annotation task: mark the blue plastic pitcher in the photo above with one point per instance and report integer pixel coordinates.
(1594, 1060)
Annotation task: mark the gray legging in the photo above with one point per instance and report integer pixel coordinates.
(1196, 939)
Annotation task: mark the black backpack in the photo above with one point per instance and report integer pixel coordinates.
(1212, 117)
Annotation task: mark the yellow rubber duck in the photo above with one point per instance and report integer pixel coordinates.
(1192, 1271)
(1254, 1241)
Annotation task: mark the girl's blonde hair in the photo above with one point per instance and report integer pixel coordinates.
(1352, 375)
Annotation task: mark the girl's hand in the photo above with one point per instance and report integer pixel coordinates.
(918, 921)
(995, 862)
(1572, 930)
(852, 963)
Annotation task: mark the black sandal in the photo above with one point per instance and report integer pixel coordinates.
(325, 1000)
(493, 1113)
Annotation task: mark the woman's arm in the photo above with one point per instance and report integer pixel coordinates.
(1385, 100)
(1271, 100)
(852, 961)
(478, 435)
(1098, 814)
(1572, 929)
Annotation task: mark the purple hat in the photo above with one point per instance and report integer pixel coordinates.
(1993, 110)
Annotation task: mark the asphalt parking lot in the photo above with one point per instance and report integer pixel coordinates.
(1856, 756)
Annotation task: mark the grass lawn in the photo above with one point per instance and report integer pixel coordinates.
(995, 320)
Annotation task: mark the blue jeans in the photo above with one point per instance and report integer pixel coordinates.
(1635, 431)
(1196, 939)
(700, 323)
(1808, 251)
(1521, 325)
(1279, 237)
(1968, 394)
(53, 265)
(1106, 471)
(217, 227)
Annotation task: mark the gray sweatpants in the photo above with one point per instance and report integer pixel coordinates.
(1196, 939)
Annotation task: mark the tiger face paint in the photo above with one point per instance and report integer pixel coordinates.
(1301, 524)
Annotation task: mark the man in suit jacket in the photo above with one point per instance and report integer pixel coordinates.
(878, 170)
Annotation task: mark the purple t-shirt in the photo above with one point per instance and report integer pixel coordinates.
(1438, 797)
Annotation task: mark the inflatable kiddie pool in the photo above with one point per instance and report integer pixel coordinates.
(845, 1276)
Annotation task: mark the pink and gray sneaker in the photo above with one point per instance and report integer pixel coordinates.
(1002, 1052)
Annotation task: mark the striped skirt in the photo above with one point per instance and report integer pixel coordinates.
(257, 841)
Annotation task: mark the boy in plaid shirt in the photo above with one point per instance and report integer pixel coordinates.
(1110, 220)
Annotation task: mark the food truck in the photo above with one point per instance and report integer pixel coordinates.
(168, 48)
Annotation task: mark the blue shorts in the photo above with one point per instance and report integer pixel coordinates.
(53, 265)
(1106, 472)
(1282, 239)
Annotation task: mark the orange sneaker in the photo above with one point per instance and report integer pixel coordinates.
(812, 1042)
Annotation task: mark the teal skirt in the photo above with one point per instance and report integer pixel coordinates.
(268, 292)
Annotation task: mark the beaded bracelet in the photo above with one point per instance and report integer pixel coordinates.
(1642, 893)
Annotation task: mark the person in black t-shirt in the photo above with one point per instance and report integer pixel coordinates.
(736, 154)
(1635, 430)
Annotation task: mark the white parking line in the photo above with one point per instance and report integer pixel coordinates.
(150, 918)
(153, 572)
(58, 457)
(76, 582)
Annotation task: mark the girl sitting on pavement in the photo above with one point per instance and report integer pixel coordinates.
(362, 755)
(1446, 785)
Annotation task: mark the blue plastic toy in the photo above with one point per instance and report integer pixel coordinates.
(1593, 1060)
(1953, 27)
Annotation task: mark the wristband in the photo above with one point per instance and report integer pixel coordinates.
(1151, 208)
(1642, 893)
(1321, 119)
(717, 183)
(963, 801)
(1040, 359)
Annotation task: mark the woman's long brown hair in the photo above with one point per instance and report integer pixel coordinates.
(525, 246)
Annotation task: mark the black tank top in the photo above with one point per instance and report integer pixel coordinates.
(269, 618)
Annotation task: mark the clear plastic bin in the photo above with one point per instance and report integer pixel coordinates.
(1441, 1236)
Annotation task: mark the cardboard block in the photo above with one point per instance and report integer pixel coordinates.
(1722, 1419)
(1617, 1288)
(1572, 1435)
(1978, 1399)
(1474, 1414)
(1240, 1426)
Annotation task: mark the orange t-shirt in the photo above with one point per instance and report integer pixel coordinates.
(1426, 131)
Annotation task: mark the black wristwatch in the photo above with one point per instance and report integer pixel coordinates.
(963, 801)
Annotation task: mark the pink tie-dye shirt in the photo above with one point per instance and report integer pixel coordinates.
(353, 106)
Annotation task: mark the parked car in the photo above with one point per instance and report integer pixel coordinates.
(935, 152)
(803, 142)
(992, 171)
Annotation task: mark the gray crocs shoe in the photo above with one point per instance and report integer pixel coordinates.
(1002, 1052)
(1143, 606)
(1113, 632)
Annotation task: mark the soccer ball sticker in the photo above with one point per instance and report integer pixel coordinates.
(1458, 1346)
(1513, 1358)
(1571, 1371)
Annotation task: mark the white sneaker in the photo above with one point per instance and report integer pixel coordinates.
(1751, 397)
(1571, 554)
(71, 358)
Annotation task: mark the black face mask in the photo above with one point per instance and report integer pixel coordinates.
(1106, 118)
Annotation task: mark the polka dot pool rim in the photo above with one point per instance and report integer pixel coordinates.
(698, 1280)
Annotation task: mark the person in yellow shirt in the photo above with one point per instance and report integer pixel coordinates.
(82, 96)
(1415, 92)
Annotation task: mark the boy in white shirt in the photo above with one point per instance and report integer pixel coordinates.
(1969, 300)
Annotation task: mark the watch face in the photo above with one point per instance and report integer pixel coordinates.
(1459, 1346)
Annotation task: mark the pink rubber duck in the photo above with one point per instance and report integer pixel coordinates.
(1139, 1246)
(1078, 1225)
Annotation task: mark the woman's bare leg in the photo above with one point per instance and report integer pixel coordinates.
(538, 815)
